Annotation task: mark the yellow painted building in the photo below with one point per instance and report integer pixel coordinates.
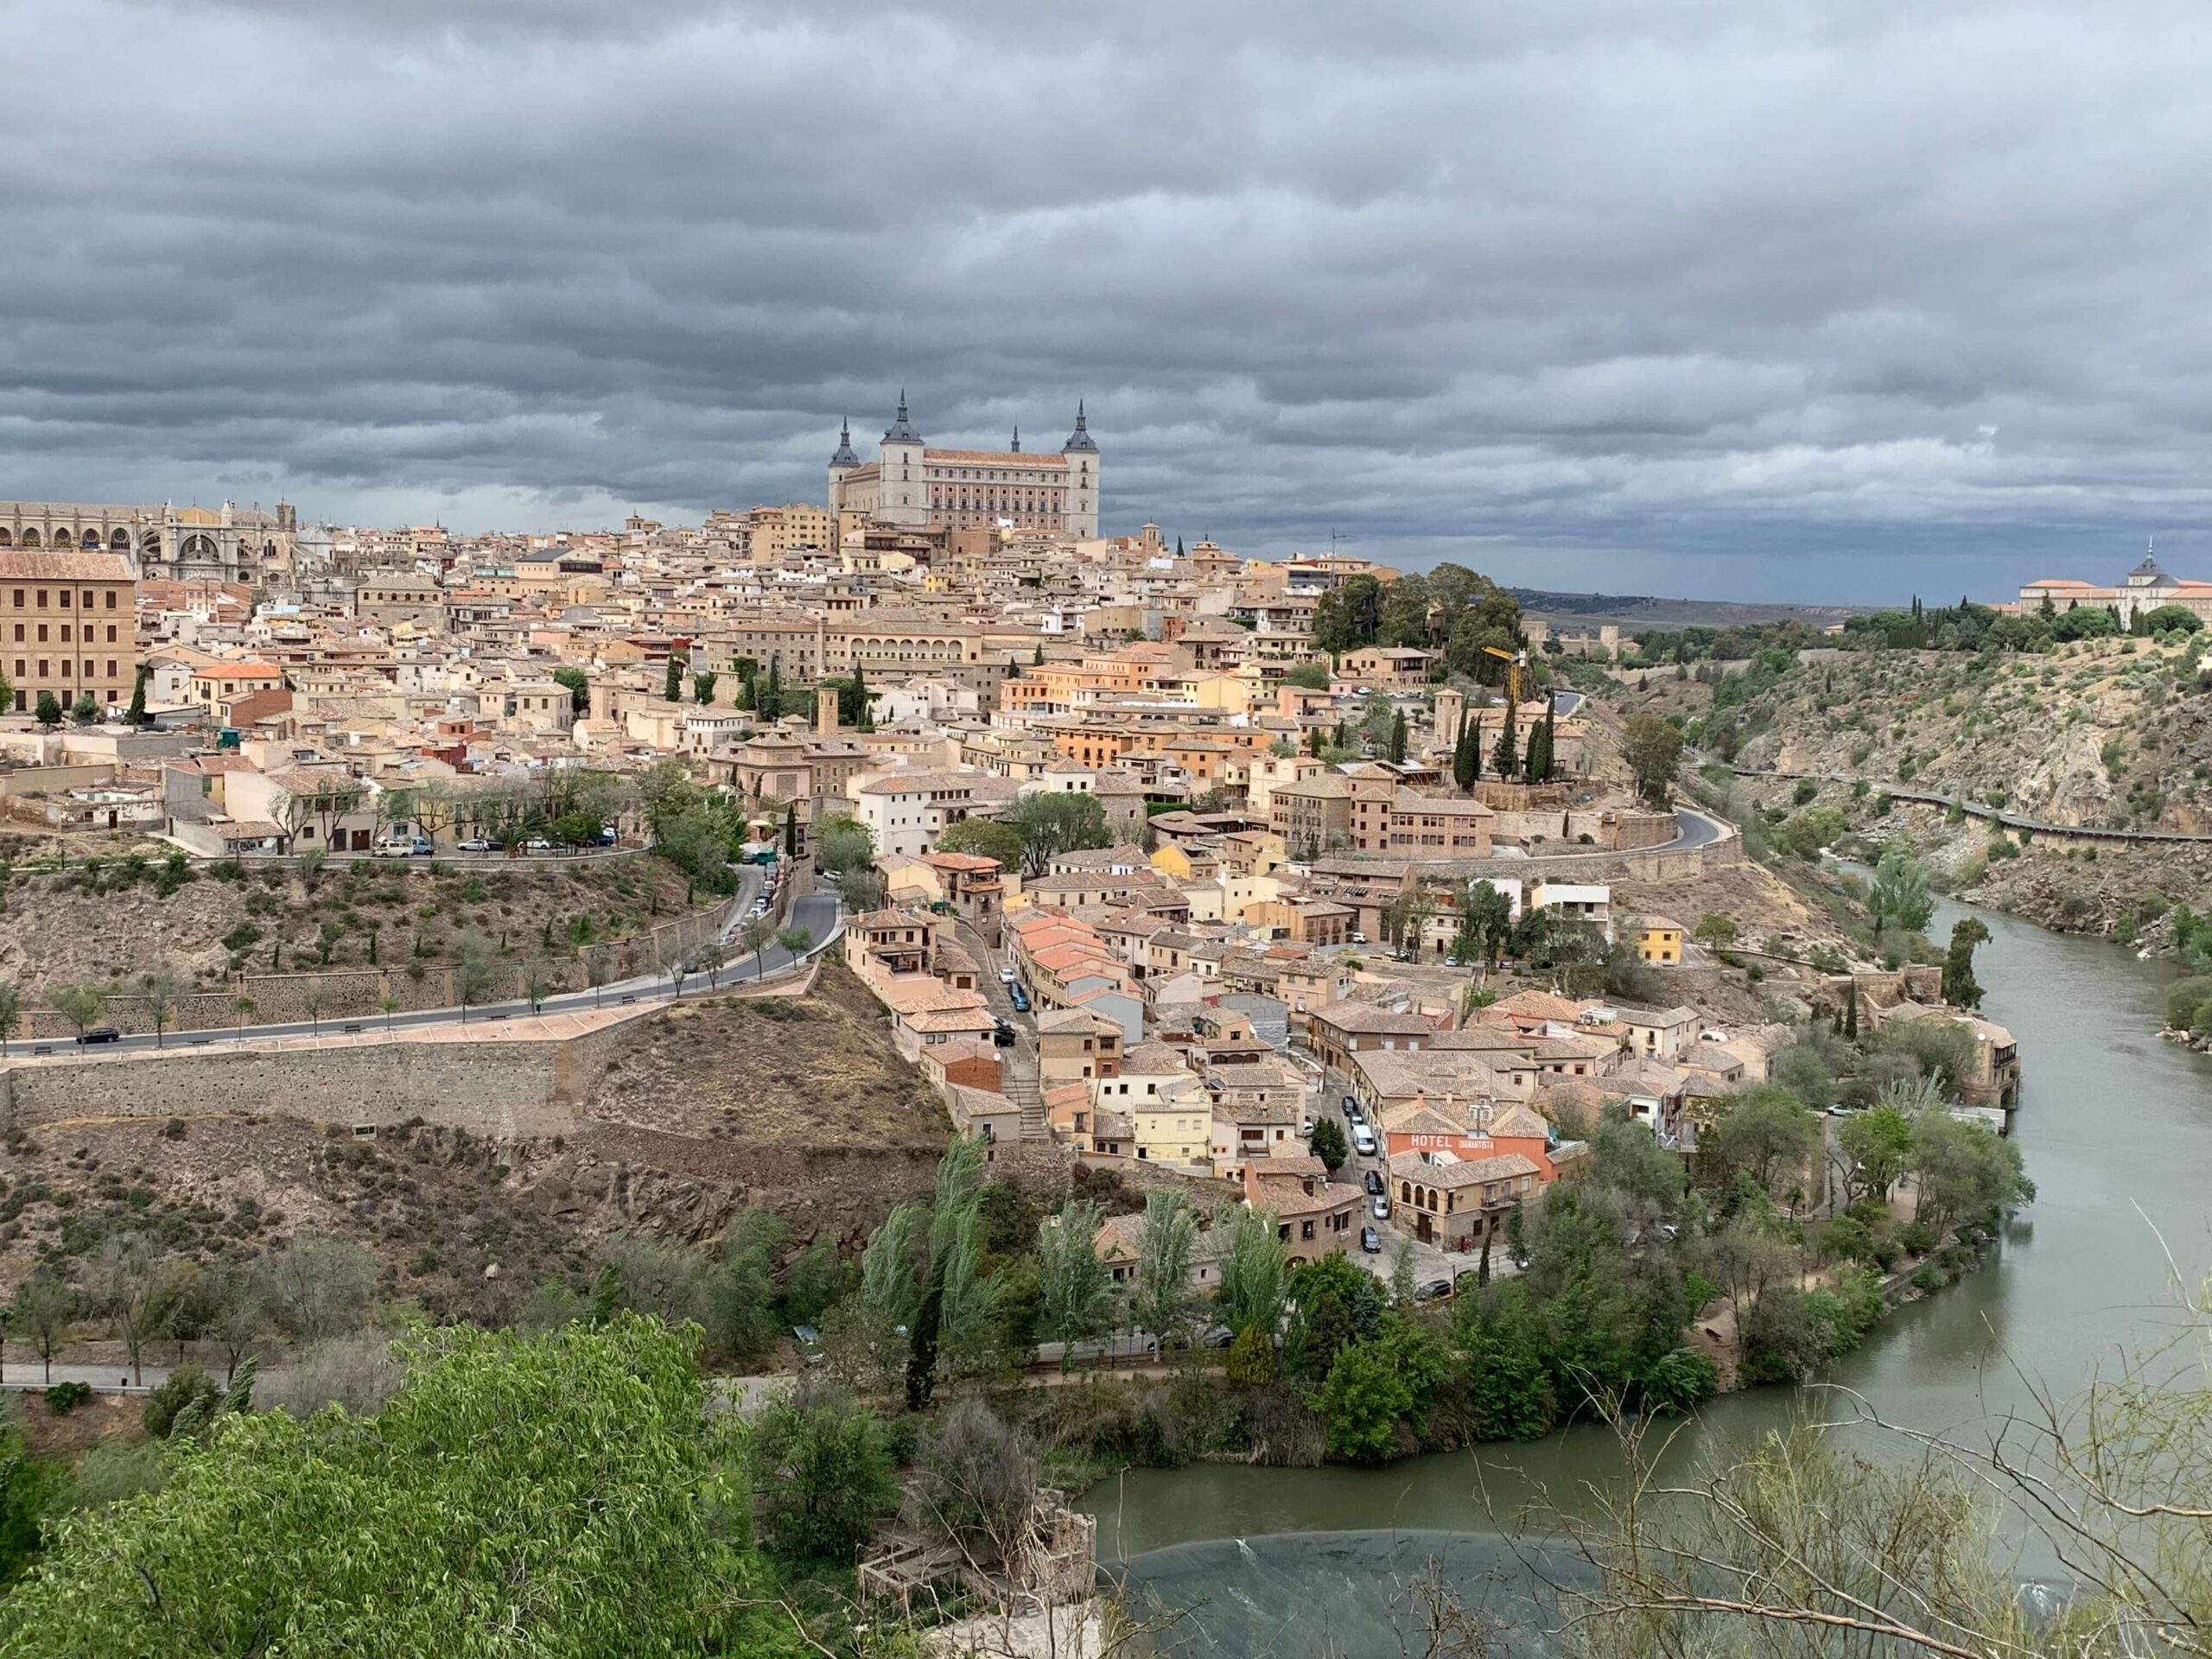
(1659, 939)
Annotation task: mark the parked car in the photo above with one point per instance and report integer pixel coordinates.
(420, 847)
(1370, 1241)
(1363, 1140)
(402, 849)
(1020, 998)
(607, 837)
(1379, 1207)
(100, 1034)
(1006, 975)
(1375, 1180)
(1434, 1288)
(538, 844)
(1359, 938)
(483, 845)
(1350, 1107)
(1002, 1034)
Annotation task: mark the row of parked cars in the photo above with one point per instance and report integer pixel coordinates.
(423, 847)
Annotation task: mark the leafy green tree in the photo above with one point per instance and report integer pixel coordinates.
(1334, 1303)
(1328, 1144)
(84, 711)
(579, 685)
(573, 1489)
(187, 1385)
(1162, 1300)
(1254, 1271)
(1501, 1376)
(48, 711)
(1965, 1172)
(796, 941)
(1349, 615)
(1960, 989)
(1077, 1290)
(1878, 1144)
(843, 845)
(1678, 1382)
(1900, 896)
(1361, 1401)
(983, 838)
(1766, 1133)
(702, 688)
(1744, 1259)
(1715, 930)
(823, 1467)
(1051, 822)
(1653, 749)
(1311, 675)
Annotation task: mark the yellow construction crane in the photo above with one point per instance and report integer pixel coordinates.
(1517, 665)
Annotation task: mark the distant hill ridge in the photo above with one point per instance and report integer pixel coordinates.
(1632, 610)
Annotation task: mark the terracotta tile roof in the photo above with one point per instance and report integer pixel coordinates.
(64, 564)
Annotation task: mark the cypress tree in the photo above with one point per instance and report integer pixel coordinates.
(1506, 760)
(770, 697)
(1398, 737)
(1465, 757)
(791, 828)
(673, 689)
(1851, 1012)
(138, 696)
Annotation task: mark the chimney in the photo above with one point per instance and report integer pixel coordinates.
(825, 710)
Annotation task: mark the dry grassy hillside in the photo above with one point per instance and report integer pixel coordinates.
(106, 921)
(802, 1107)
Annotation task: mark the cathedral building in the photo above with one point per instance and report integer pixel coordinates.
(910, 483)
(231, 544)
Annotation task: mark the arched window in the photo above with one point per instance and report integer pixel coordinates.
(30, 536)
(119, 541)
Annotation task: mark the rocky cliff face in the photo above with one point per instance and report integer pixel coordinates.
(2115, 733)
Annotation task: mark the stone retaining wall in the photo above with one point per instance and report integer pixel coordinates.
(506, 1088)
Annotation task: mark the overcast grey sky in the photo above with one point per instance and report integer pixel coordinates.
(1825, 300)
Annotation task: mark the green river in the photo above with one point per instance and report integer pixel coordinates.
(2116, 1127)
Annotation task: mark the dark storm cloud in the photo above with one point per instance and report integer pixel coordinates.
(1732, 297)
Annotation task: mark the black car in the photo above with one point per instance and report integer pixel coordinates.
(101, 1034)
(1350, 1107)
(1002, 1034)
(1375, 1180)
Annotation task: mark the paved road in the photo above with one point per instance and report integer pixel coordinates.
(22, 1374)
(816, 912)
